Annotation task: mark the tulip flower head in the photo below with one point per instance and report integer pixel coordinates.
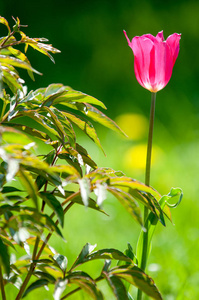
(154, 59)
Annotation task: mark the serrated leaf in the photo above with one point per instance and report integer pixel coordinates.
(117, 287)
(71, 95)
(36, 284)
(128, 202)
(142, 193)
(86, 250)
(101, 118)
(51, 201)
(138, 278)
(108, 254)
(85, 126)
(4, 257)
(4, 59)
(18, 54)
(84, 281)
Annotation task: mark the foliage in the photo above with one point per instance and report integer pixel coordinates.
(34, 192)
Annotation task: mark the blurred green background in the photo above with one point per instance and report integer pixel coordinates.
(96, 59)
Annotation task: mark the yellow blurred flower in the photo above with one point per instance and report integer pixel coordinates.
(135, 156)
(134, 125)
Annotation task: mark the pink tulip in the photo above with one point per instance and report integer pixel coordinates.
(154, 59)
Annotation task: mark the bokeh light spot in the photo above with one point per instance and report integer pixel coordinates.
(135, 156)
(134, 125)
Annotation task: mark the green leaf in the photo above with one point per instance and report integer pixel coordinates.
(71, 95)
(52, 202)
(128, 202)
(10, 189)
(84, 281)
(117, 287)
(4, 59)
(143, 193)
(45, 275)
(4, 257)
(13, 136)
(85, 126)
(61, 261)
(107, 254)
(86, 250)
(20, 55)
(12, 80)
(138, 278)
(62, 125)
(36, 284)
(29, 185)
(31, 131)
(5, 22)
(101, 118)
(41, 47)
(152, 221)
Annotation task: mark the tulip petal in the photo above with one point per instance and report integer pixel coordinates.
(160, 36)
(173, 42)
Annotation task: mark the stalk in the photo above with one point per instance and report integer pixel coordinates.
(147, 182)
(2, 285)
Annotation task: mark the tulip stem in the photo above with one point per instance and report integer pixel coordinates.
(147, 182)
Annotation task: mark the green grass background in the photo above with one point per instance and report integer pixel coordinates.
(96, 59)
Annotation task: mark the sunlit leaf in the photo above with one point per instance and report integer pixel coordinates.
(107, 254)
(86, 250)
(5, 22)
(85, 126)
(51, 201)
(4, 59)
(20, 55)
(117, 287)
(151, 223)
(84, 281)
(71, 95)
(128, 202)
(61, 261)
(138, 278)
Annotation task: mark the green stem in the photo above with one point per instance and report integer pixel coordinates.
(147, 182)
(2, 285)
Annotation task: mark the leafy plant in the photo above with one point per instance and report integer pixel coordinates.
(30, 183)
